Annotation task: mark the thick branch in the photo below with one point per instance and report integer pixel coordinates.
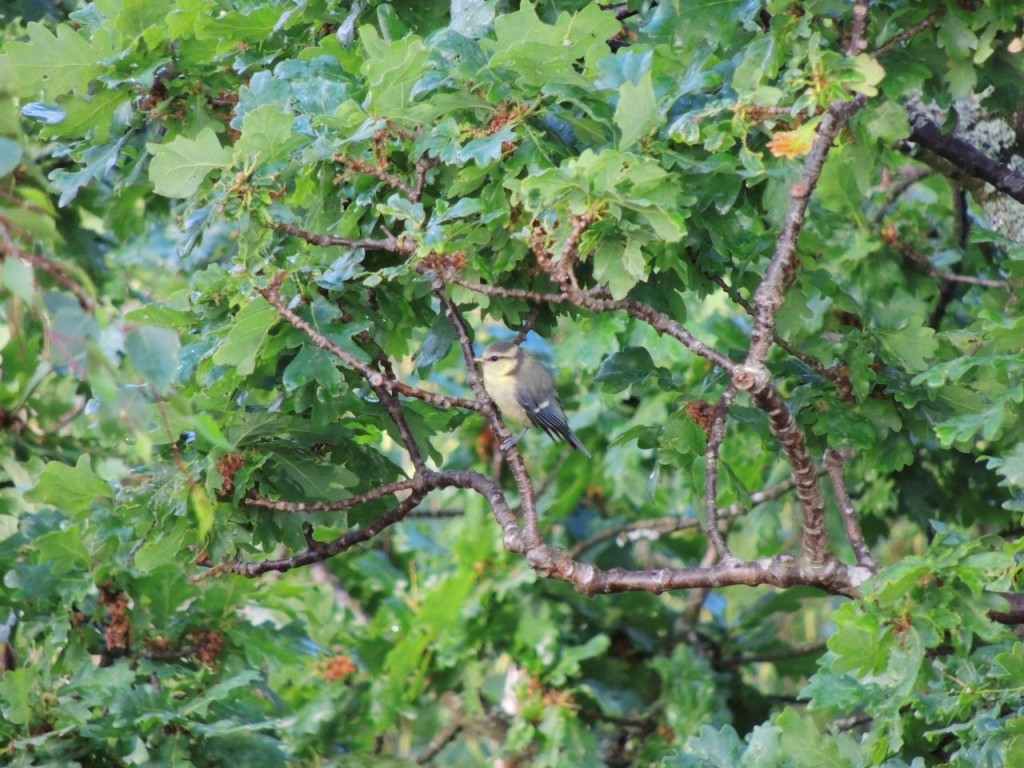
(964, 156)
(1015, 614)
(757, 382)
(780, 571)
(782, 269)
(858, 40)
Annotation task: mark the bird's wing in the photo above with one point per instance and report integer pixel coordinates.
(545, 412)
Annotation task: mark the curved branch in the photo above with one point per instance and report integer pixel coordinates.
(317, 552)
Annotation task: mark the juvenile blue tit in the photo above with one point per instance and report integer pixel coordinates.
(525, 392)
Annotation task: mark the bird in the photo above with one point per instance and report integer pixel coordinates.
(524, 391)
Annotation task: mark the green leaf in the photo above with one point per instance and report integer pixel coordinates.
(625, 368)
(17, 692)
(714, 748)
(19, 278)
(162, 549)
(203, 509)
(64, 548)
(57, 63)
(807, 746)
(312, 364)
(266, 136)
(154, 352)
(392, 70)
(96, 113)
(912, 346)
(438, 342)
(73, 489)
(621, 266)
(636, 114)
(96, 162)
(1010, 465)
(871, 73)
(179, 167)
(10, 155)
(246, 337)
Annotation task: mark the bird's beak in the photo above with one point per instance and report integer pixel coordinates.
(478, 359)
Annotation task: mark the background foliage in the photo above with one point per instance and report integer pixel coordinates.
(164, 162)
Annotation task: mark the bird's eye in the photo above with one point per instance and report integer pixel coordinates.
(493, 358)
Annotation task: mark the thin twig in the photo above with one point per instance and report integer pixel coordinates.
(389, 243)
(301, 507)
(834, 461)
(317, 552)
(374, 377)
(711, 457)
(597, 300)
(443, 737)
(57, 271)
(394, 409)
(531, 528)
(905, 35)
(781, 655)
(892, 238)
(663, 526)
(815, 365)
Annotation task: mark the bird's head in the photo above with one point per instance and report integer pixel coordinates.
(501, 358)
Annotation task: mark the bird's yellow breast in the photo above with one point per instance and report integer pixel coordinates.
(501, 386)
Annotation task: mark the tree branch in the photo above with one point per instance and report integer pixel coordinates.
(528, 503)
(391, 243)
(782, 269)
(834, 462)
(300, 507)
(757, 382)
(317, 552)
(597, 300)
(711, 455)
(663, 526)
(964, 156)
(892, 238)
(58, 272)
(374, 377)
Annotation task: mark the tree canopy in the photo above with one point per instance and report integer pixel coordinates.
(254, 504)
